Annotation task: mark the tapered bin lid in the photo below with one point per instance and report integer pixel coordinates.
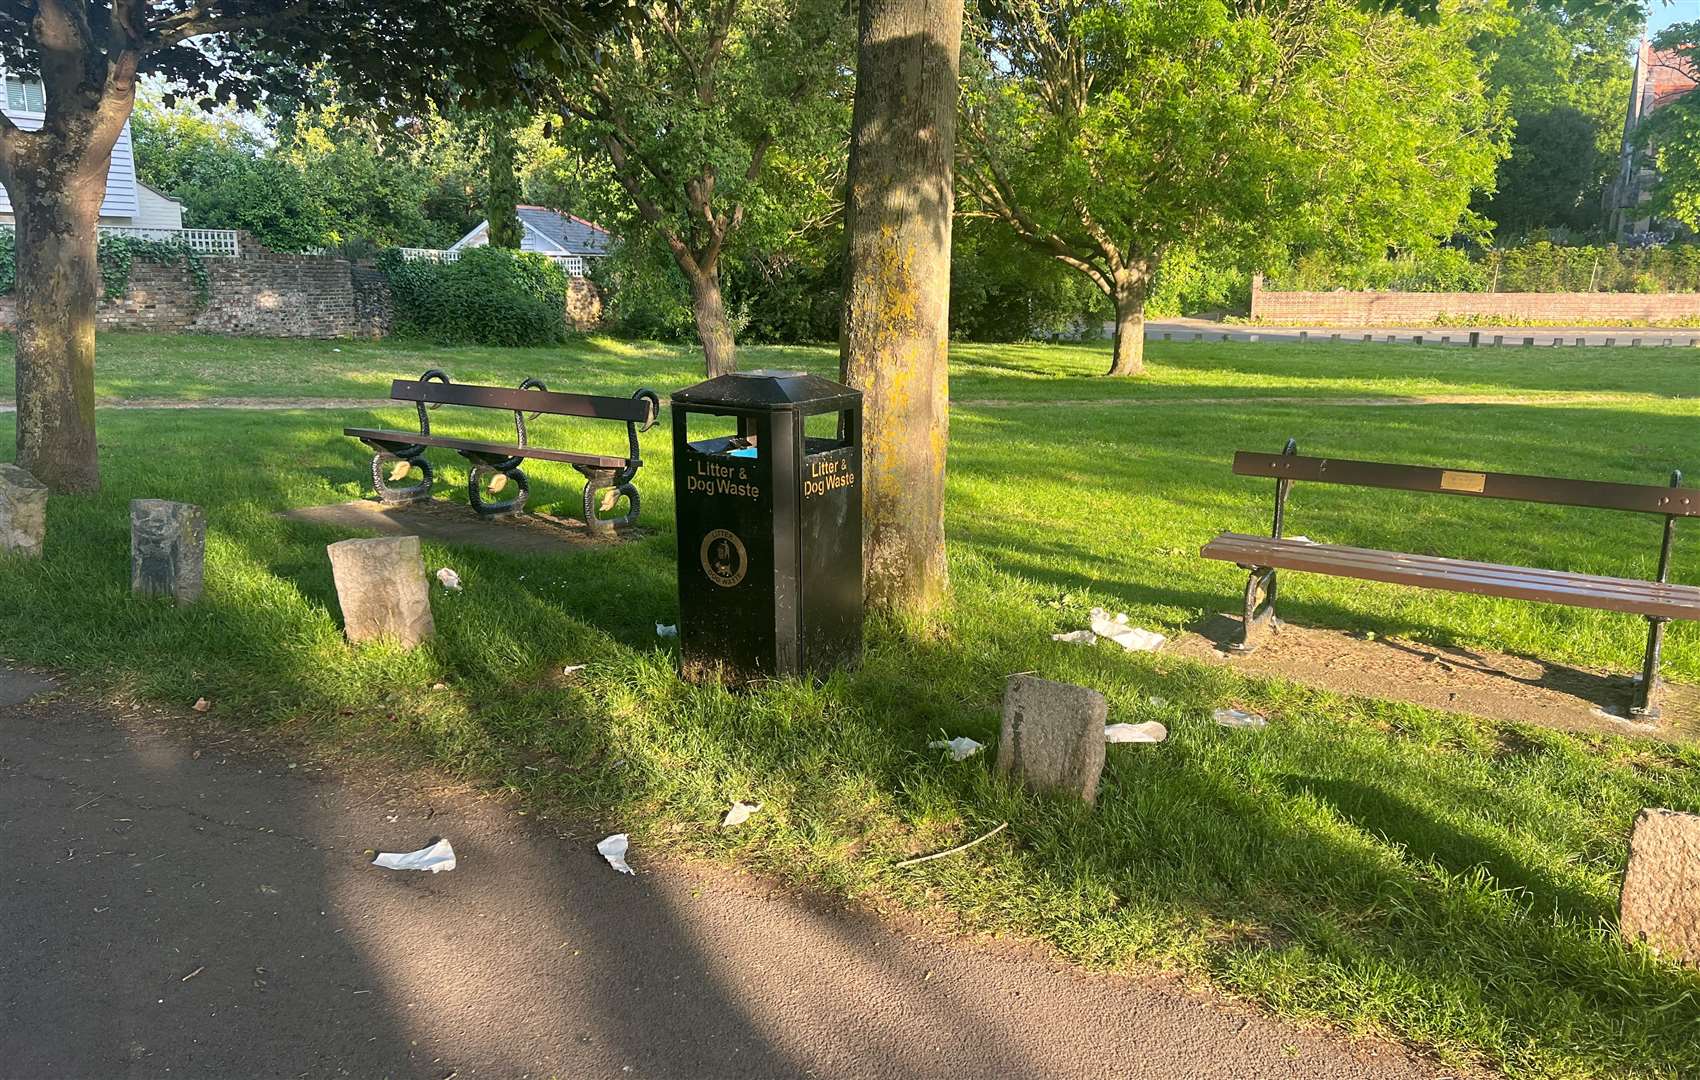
(765, 391)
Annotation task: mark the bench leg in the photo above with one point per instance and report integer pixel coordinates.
(1645, 704)
(607, 480)
(509, 469)
(384, 460)
(1259, 609)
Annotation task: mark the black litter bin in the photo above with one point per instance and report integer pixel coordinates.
(767, 470)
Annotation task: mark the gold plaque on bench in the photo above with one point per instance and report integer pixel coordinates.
(1462, 481)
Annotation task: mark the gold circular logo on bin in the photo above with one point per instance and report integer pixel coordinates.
(724, 559)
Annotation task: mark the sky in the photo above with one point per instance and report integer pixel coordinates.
(1664, 13)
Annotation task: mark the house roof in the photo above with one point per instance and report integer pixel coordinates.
(566, 232)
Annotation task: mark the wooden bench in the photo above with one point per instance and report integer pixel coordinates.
(499, 462)
(1658, 600)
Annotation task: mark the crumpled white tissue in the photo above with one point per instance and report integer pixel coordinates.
(449, 578)
(614, 850)
(739, 814)
(436, 858)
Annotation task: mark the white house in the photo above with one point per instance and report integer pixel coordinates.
(569, 240)
(129, 203)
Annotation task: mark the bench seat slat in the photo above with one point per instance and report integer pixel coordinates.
(1456, 575)
(550, 402)
(1349, 556)
(413, 438)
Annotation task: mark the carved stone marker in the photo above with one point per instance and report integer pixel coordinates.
(23, 512)
(168, 549)
(1660, 904)
(1053, 736)
(382, 589)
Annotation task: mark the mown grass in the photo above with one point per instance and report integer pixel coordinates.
(199, 367)
(1447, 880)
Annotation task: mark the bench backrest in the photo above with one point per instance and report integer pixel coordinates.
(1596, 494)
(629, 410)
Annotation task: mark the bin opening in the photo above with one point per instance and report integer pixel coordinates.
(719, 433)
(826, 431)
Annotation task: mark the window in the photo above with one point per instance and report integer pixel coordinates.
(25, 95)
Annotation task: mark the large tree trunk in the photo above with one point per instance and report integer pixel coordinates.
(1129, 297)
(714, 330)
(897, 297)
(56, 200)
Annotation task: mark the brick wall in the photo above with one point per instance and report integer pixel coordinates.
(262, 293)
(1343, 308)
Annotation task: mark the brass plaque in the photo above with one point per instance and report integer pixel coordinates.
(1462, 481)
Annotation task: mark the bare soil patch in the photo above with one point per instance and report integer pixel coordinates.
(1498, 686)
(455, 523)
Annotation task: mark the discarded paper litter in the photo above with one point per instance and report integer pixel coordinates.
(1131, 638)
(1239, 718)
(739, 814)
(1149, 732)
(436, 858)
(1115, 628)
(614, 850)
(449, 579)
(664, 630)
(960, 748)
(573, 669)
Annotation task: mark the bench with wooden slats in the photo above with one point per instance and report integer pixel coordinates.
(496, 465)
(1658, 600)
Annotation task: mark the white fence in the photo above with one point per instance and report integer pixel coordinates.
(572, 264)
(216, 242)
(429, 255)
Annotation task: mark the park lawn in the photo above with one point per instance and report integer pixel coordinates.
(1446, 880)
(193, 367)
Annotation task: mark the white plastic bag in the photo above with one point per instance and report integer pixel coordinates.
(960, 748)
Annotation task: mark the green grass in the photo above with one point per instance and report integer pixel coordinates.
(198, 367)
(1446, 880)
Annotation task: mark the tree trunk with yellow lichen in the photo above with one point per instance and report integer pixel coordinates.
(897, 296)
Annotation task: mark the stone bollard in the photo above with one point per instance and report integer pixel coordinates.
(1053, 736)
(1660, 902)
(168, 549)
(382, 589)
(23, 513)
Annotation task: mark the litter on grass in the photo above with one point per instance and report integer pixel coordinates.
(450, 580)
(664, 630)
(573, 669)
(960, 748)
(1239, 718)
(1131, 638)
(1149, 732)
(739, 814)
(436, 858)
(1076, 637)
(614, 850)
(201, 705)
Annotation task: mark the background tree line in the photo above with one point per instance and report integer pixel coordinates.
(1322, 140)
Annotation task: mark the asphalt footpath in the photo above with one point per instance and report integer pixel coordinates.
(181, 899)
